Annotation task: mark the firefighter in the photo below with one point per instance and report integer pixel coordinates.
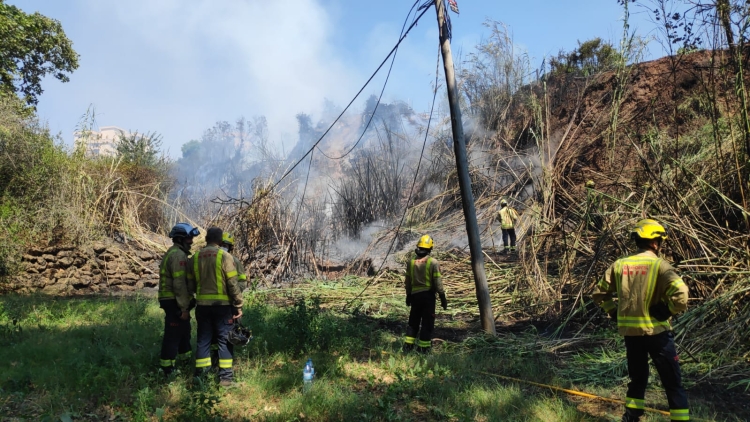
(227, 244)
(594, 219)
(175, 297)
(641, 292)
(219, 304)
(508, 217)
(423, 281)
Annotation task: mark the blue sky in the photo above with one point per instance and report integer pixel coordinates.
(176, 67)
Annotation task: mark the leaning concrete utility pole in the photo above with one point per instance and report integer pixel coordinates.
(464, 181)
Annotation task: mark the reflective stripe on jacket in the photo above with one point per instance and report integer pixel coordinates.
(215, 278)
(508, 217)
(635, 283)
(423, 274)
(241, 275)
(173, 281)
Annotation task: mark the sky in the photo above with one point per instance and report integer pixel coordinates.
(176, 67)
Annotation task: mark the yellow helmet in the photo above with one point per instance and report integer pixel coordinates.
(425, 242)
(649, 229)
(503, 202)
(590, 183)
(227, 238)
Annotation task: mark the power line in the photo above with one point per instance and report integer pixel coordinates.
(393, 50)
(304, 191)
(387, 77)
(413, 183)
(310, 152)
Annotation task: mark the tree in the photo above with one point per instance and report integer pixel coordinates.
(495, 72)
(32, 47)
(590, 57)
(139, 149)
(191, 149)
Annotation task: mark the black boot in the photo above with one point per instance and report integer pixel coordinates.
(407, 347)
(627, 417)
(201, 372)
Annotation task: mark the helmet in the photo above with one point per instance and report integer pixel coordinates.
(590, 183)
(503, 202)
(183, 230)
(649, 229)
(425, 242)
(239, 336)
(227, 238)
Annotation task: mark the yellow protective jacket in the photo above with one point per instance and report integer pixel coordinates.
(241, 275)
(215, 276)
(508, 217)
(635, 283)
(423, 274)
(173, 279)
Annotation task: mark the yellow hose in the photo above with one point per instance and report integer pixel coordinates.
(565, 390)
(573, 392)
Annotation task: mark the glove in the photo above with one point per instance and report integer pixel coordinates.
(613, 315)
(660, 311)
(408, 300)
(443, 301)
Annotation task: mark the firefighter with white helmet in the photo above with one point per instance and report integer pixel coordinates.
(642, 292)
(175, 297)
(423, 281)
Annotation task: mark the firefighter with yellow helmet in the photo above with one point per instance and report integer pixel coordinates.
(227, 244)
(641, 292)
(219, 304)
(423, 281)
(508, 218)
(175, 297)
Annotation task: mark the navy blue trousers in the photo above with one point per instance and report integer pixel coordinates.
(421, 319)
(509, 239)
(661, 349)
(214, 322)
(176, 338)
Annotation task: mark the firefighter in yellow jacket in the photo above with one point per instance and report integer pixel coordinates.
(508, 217)
(423, 281)
(227, 244)
(176, 298)
(642, 292)
(219, 304)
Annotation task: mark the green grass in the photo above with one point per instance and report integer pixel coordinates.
(95, 358)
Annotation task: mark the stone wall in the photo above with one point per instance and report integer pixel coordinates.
(104, 267)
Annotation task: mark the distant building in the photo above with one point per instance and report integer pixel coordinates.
(102, 143)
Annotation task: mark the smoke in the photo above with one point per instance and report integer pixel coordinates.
(349, 248)
(276, 58)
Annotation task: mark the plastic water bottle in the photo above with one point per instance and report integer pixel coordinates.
(309, 362)
(307, 376)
